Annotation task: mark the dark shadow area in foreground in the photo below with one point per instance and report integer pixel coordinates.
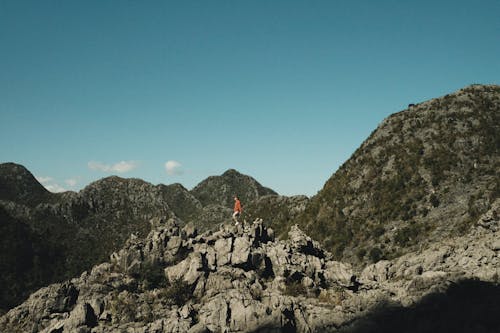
(469, 306)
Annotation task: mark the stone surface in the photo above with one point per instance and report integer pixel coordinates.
(239, 280)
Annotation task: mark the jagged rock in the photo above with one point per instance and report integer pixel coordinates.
(241, 251)
(378, 272)
(82, 315)
(495, 245)
(223, 248)
(238, 280)
(337, 272)
(190, 269)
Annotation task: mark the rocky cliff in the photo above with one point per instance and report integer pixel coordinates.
(243, 280)
(424, 174)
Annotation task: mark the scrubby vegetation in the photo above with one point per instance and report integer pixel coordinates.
(405, 182)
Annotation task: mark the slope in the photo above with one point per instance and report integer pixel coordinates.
(424, 174)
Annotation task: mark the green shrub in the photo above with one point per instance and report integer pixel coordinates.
(407, 235)
(361, 253)
(151, 276)
(375, 254)
(378, 231)
(295, 288)
(434, 200)
(178, 292)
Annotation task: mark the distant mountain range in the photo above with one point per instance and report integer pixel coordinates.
(48, 237)
(426, 173)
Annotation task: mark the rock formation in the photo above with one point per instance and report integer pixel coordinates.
(243, 280)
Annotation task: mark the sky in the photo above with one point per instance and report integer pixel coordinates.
(176, 91)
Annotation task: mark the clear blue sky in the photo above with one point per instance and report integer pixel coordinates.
(284, 91)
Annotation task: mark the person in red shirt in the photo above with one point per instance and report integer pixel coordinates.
(237, 210)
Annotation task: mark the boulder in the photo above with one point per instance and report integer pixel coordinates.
(241, 250)
(223, 248)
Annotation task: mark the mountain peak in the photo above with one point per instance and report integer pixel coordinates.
(19, 185)
(221, 189)
(232, 173)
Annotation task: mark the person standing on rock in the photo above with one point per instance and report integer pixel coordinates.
(237, 210)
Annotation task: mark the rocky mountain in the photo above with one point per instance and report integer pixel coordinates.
(62, 234)
(279, 212)
(244, 280)
(20, 186)
(220, 190)
(426, 173)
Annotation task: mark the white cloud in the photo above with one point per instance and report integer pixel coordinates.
(50, 184)
(71, 182)
(120, 167)
(44, 180)
(173, 168)
(55, 188)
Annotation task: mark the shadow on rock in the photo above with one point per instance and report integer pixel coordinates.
(467, 306)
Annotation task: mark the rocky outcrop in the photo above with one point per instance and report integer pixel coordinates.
(240, 279)
(437, 160)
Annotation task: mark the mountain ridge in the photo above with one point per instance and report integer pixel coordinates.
(439, 158)
(84, 227)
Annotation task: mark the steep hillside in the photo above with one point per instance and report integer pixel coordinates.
(424, 174)
(26, 260)
(184, 204)
(279, 212)
(219, 190)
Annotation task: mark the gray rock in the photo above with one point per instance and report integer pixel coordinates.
(240, 281)
(82, 315)
(223, 248)
(241, 251)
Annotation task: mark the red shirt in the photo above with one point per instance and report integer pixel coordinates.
(237, 206)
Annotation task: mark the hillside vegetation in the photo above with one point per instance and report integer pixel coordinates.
(424, 174)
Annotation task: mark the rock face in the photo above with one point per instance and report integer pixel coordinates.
(243, 280)
(437, 160)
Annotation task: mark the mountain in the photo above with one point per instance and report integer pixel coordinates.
(59, 235)
(279, 212)
(426, 173)
(220, 190)
(19, 185)
(243, 280)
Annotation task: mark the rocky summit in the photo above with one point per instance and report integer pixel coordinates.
(241, 279)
